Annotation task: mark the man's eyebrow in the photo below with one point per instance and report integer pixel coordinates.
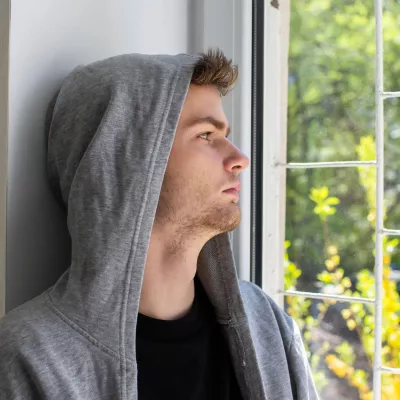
(220, 125)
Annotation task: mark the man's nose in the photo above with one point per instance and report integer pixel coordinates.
(237, 161)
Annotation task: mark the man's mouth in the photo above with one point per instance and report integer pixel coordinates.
(235, 187)
(232, 192)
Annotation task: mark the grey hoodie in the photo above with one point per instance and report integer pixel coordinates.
(111, 128)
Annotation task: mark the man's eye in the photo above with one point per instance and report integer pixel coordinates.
(206, 134)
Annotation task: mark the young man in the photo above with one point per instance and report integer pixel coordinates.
(151, 307)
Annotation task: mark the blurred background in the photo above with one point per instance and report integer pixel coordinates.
(330, 212)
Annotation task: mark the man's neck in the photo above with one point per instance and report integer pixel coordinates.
(171, 265)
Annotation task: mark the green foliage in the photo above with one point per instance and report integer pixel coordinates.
(331, 110)
(341, 360)
(331, 117)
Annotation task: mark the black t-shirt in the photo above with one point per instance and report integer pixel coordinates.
(185, 359)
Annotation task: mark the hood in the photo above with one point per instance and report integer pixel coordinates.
(111, 127)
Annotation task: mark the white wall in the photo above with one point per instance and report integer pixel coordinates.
(48, 38)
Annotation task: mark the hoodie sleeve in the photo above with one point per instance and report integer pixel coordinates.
(303, 386)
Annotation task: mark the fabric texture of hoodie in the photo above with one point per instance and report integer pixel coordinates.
(111, 127)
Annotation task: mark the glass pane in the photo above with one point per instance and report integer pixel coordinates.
(391, 45)
(338, 337)
(330, 229)
(331, 79)
(392, 163)
(391, 317)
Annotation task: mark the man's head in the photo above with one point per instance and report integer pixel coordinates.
(203, 162)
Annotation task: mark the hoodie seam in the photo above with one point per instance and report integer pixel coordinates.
(222, 278)
(291, 377)
(234, 325)
(238, 323)
(291, 342)
(79, 330)
(244, 369)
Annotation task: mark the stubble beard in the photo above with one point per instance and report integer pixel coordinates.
(196, 216)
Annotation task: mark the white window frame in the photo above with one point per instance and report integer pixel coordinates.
(277, 23)
(276, 47)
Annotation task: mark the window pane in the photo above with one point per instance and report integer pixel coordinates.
(391, 317)
(392, 163)
(331, 101)
(391, 45)
(338, 337)
(330, 227)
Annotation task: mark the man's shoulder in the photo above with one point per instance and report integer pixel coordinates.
(22, 325)
(265, 313)
(33, 341)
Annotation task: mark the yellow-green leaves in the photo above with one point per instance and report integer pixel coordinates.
(324, 203)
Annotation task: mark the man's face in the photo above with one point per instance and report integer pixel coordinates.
(202, 164)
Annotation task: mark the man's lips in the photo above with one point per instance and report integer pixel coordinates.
(235, 187)
(233, 190)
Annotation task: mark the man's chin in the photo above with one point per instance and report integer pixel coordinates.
(225, 220)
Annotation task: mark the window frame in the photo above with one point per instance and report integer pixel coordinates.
(277, 26)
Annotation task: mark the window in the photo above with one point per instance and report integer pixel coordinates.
(326, 186)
